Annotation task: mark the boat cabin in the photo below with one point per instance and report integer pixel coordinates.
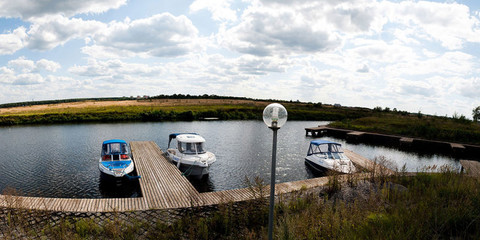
(114, 150)
(188, 143)
(324, 147)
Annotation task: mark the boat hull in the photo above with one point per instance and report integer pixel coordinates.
(323, 165)
(193, 171)
(316, 167)
(114, 170)
(196, 167)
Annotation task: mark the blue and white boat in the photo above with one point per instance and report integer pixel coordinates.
(115, 160)
(325, 155)
(189, 154)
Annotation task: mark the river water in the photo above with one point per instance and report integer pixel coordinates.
(62, 160)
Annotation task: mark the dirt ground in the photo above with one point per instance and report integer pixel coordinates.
(153, 102)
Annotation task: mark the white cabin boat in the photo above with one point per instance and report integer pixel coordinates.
(325, 155)
(189, 154)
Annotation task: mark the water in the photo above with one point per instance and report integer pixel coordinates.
(62, 160)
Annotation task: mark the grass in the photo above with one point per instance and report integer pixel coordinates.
(443, 205)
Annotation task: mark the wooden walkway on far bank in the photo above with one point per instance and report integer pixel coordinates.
(163, 187)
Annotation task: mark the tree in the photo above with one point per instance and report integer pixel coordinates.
(476, 114)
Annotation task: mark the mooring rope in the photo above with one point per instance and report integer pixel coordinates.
(187, 172)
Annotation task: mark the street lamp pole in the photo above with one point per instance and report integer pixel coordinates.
(274, 116)
(272, 182)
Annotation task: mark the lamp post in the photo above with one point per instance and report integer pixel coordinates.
(274, 116)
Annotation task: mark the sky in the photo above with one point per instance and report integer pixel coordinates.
(416, 56)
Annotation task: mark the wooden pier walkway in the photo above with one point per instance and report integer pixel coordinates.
(162, 184)
(471, 168)
(163, 187)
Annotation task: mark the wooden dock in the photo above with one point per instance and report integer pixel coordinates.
(163, 187)
(471, 168)
(162, 184)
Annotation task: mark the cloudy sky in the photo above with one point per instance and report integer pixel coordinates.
(410, 55)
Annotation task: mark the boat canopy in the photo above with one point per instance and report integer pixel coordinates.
(114, 141)
(174, 135)
(114, 146)
(320, 142)
(324, 147)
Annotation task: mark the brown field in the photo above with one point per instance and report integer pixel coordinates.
(153, 102)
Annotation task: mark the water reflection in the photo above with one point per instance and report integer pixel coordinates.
(110, 187)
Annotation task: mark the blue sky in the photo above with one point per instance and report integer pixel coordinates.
(410, 55)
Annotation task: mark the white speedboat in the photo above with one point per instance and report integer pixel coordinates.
(324, 155)
(189, 154)
(115, 160)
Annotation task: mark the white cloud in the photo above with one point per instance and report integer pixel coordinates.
(162, 35)
(470, 88)
(13, 41)
(24, 65)
(48, 32)
(268, 32)
(50, 66)
(28, 79)
(220, 9)
(449, 65)
(27, 9)
(406, 88)
(10, 77)
(116, 70)
(380, 51)
(22, 71)
(352, 16)
(451, 24)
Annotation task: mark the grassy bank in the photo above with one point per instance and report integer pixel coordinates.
(171, 110)
(188, 108)
(444, 205)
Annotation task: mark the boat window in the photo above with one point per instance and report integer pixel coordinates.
(336, 148)
(180, 147)
(186, 148)
(199, 147)
(104, 149)
(124, 148)
(324, 148)
(115, 148)
(190, 148)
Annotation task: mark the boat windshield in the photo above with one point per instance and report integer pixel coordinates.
(324, 148)
(191, 148)
(114, 148)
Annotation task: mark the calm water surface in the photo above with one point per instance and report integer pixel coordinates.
(62, 160)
